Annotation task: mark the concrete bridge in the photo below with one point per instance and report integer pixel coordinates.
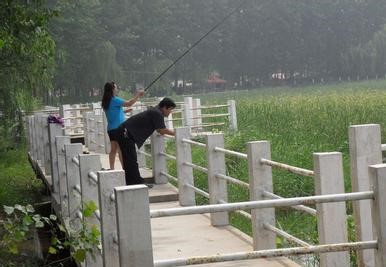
(164, 227)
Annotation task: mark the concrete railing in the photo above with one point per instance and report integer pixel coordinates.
(327, 165)
(76, 179)
(138, 248)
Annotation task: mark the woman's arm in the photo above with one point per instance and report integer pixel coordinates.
(131, 102)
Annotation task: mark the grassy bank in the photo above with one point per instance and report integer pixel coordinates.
(18, 184)
(298, 122)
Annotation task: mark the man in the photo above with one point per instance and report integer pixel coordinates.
(135, 130)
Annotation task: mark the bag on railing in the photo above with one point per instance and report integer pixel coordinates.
(55, 119)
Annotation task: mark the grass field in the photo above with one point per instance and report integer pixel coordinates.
(297, 122)
(18, 183)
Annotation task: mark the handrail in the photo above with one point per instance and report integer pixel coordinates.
(300, 207)
(232, 180)
(97, 214)
(196, 167)
(168, 156)
(93, 177)
(287, 167)
(241, 212)
(203, 116)
(198, 190)
(75, 160)
(143, 153)
(286, 235)
(231, 152)
(78, 189)
(383, 147)
(213, 106)
(169, 136)
(207, 125)
(269, 253)
(287, 202)
(169, 176)
(184, 140)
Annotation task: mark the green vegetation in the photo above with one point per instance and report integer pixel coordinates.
(18, 183)
(27, 64)
(297, 122)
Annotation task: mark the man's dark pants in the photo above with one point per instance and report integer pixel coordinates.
(129, 158)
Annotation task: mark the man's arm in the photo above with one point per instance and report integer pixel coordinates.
(131, 102)
(166, 131)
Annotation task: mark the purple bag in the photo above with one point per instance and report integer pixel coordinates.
(55, 119)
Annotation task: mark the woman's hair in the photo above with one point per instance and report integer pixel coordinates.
(107, 95)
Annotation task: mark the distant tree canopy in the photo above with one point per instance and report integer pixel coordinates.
(132, 41)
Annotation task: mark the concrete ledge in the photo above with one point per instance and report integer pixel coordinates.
(163, 193)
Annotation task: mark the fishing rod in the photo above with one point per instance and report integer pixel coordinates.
(196, 43)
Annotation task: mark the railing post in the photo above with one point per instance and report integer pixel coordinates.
(188, 111)
(134, 230)
(378, 211)
(106, 136)
(73, 179)
(33, 140)
(76, 113)
(159, 161)
(88, 164)
(232, 115)
(332, 219)
(107, 181)
(46, 150)
(86, 129)
(64, 113)
(92, 132)
(39, 140)
(60, 142)
(141, 158)
(365, 150)
(54, 130)
(184, 172)
(217, 187)
(197, 112)
(260, 180)
(100, 135)
(169, 121)
(29, 133)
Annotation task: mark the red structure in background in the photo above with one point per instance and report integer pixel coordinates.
(215, 82)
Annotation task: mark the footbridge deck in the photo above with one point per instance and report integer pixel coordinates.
(142, 227)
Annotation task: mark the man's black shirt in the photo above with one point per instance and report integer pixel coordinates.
(142, 125)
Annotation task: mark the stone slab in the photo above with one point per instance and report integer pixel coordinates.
(192, 235)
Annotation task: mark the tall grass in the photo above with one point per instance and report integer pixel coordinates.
(297, 122)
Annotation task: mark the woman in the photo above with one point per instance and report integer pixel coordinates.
(113, 108)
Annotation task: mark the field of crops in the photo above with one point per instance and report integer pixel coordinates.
(297, 122)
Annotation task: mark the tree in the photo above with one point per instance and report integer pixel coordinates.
(26, 60)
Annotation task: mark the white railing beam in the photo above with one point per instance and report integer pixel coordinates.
(262, 204)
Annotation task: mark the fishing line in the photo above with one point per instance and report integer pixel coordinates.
(196, 43)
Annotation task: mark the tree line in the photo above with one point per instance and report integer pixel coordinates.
(133, 41)
(67, 50)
